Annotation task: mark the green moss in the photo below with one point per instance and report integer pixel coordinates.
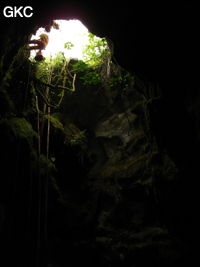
(43, 166)
(46, 165)
(55, 122)
(6, 104)
(20, 128)
(74, 136)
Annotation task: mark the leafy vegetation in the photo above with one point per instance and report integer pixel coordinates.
(91, 78)
(74, 136)
(68, 45)
(79, 66)
(78, 139)
(120, 81)
(96, 51)
(60, 75)
(54, 77)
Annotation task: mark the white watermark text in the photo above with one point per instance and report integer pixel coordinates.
(13, 12)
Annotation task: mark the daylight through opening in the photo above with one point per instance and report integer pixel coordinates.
(71, 39)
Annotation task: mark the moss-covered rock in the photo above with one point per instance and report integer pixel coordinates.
(20, 128)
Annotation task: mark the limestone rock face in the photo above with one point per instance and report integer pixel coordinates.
(125, 174)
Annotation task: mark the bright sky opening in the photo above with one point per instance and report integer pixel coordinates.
(69, 31)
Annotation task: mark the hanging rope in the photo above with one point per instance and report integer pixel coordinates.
(46, 180)
(57, 87)
(46, 184)
(43, 147)
(38, 241)
(73, 83)
(27, 87)
(38, 124)
(42, 185)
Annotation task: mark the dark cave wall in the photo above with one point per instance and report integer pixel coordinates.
(162, 50)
